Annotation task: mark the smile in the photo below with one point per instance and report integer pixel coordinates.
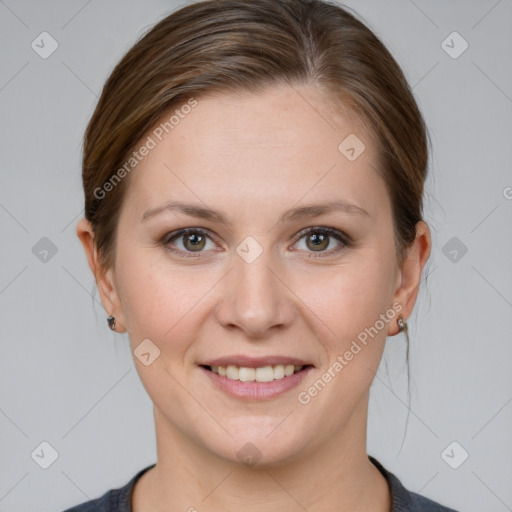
(256, 383)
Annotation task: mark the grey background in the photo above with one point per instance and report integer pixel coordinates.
(67, 380)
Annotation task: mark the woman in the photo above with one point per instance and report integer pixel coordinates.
(253, 177)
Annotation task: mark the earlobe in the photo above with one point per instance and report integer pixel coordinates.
(111, 301)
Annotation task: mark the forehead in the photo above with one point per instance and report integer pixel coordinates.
(283, 144)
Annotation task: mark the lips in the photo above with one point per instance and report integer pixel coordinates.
(255, 383)
(256, 378)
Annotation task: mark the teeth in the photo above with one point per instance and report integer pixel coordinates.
(278, 371)
(263, 374)
(247, 374)
(232, 372)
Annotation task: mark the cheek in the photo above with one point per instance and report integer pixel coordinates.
(347, 298)
(153, 299)
(162, 302)
(351, 304)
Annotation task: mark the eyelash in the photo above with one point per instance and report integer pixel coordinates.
(331, 232)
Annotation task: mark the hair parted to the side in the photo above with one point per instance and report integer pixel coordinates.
(246, 46)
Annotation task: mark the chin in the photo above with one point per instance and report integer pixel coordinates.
(267, 448)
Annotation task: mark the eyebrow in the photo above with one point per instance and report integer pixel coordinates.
(313, 210)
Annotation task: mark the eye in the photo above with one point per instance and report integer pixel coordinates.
(192, 240)
(188, 241)
(318, 239)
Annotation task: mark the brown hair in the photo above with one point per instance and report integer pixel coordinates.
(233, 46)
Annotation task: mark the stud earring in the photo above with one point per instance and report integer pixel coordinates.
(112, 322)
(402, 327)
(402, 324)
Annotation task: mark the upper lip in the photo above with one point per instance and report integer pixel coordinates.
(255, 362)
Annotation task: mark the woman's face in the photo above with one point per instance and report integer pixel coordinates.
(253, 285)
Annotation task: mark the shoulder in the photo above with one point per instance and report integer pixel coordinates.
(114, 500)
(420, 503)
(407, 501)
(109, 502)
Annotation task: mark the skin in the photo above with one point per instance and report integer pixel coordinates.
(254, 157)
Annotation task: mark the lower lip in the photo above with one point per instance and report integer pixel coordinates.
(256, 390)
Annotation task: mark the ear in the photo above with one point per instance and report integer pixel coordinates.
(104, 277)
(409, 275)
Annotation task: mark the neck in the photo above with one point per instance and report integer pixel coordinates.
(335, 475)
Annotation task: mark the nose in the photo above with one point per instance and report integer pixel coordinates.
(255, 298)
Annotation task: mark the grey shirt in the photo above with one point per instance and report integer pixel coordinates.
(119, 500)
